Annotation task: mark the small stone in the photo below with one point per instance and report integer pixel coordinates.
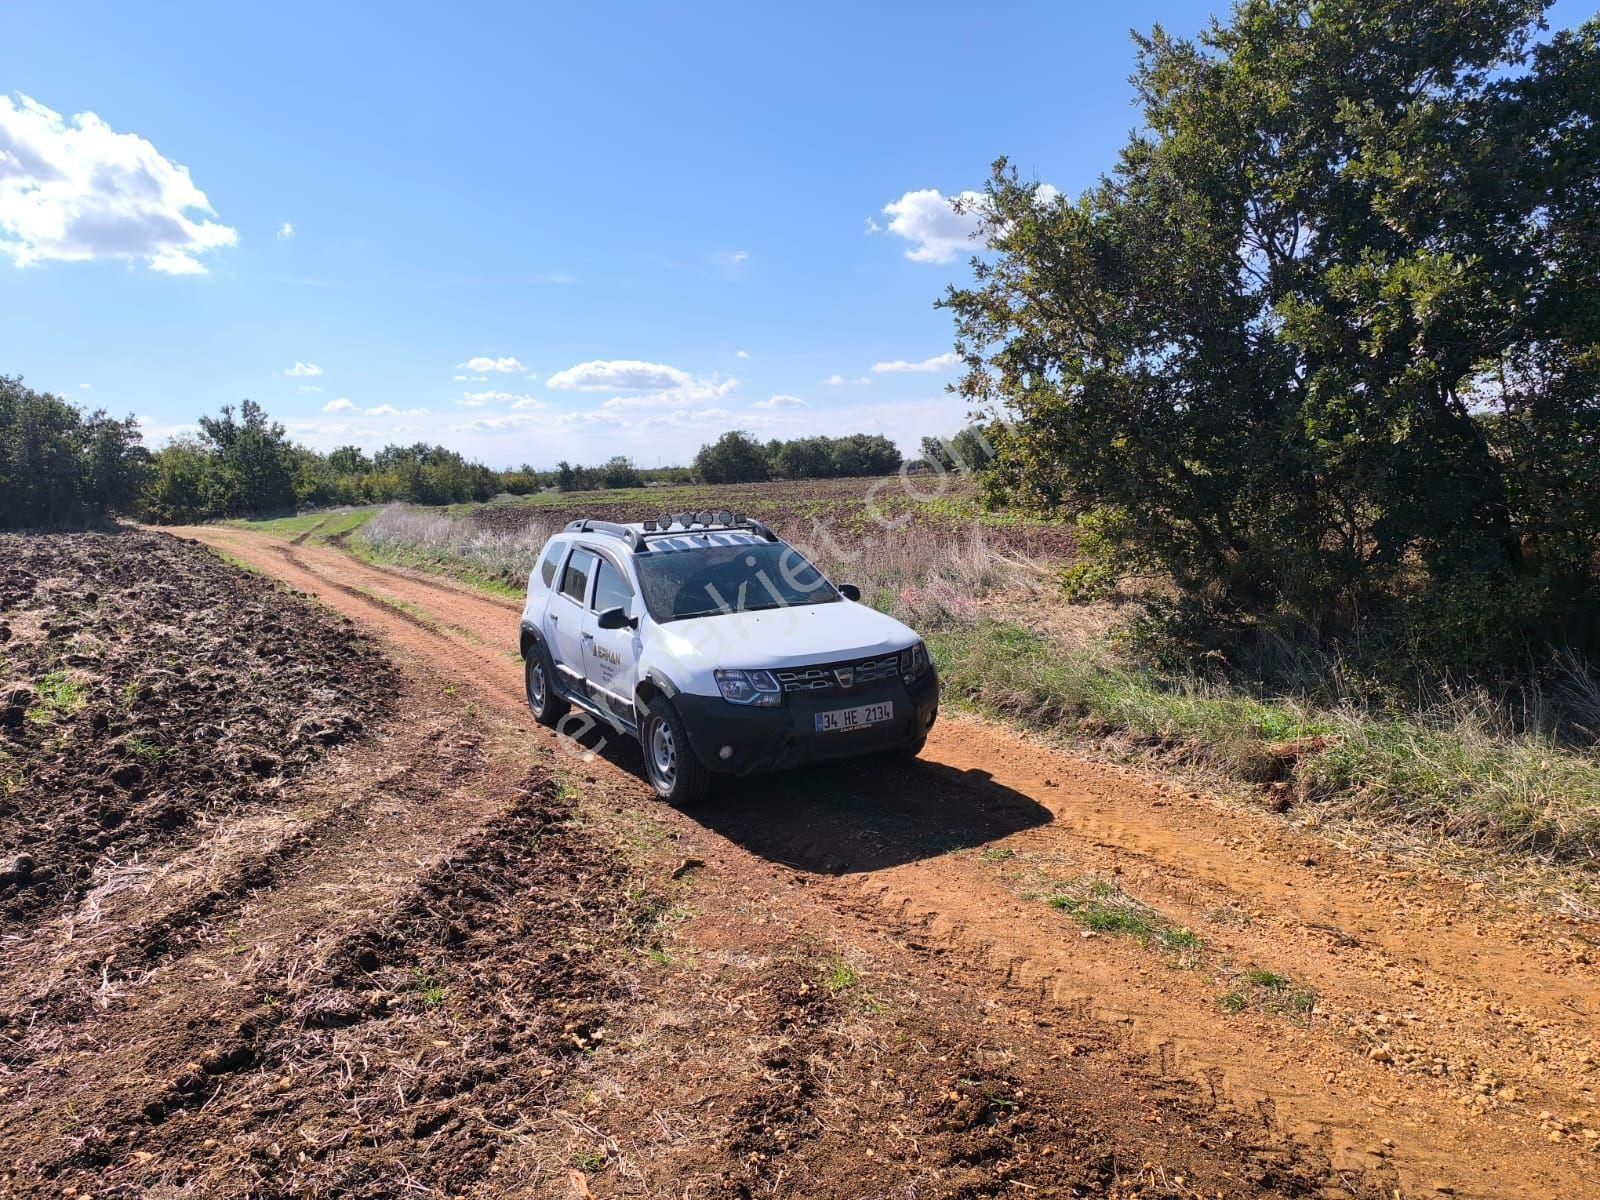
(1381, 1054)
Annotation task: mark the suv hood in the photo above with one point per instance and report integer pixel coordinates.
(784, 637)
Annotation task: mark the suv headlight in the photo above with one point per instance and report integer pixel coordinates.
(913, 661)
(749, 687)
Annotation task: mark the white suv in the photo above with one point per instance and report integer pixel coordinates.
(720, 647)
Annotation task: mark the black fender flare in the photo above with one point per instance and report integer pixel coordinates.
(655, 683)
(530, 636)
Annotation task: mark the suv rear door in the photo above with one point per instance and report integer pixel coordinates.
(611, 656)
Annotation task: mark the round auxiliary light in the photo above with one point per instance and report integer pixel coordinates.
(725, 753)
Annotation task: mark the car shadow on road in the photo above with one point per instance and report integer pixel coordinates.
(865, 814)
(857, 815)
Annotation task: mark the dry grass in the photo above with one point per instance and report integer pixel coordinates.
(454, 546)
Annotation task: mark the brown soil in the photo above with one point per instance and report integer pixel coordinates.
(430, 969)
(147, 688)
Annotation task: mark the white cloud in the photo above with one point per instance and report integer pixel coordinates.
(872, 227)
(684, 416)
(929, 221)
(516, 399)
(739, 256)
(308, 388)
(837, 380)
(74, 190)
(483, 363)
(342, 404)
(741, 354)
(285, 231)
(494, 424)
(470, 379)
(156, 435)
(382, 410)
(86, 387)
(781, 401)
(620, 374)
(302, 370)
(937, 232)
(940, 362)
(696, 391)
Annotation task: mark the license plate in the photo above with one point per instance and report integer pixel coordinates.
(842, 720)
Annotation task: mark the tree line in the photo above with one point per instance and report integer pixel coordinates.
(736, 457)
(60, 466)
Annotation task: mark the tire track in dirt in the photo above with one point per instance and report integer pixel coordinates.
(1445, 1025)
(348, 840)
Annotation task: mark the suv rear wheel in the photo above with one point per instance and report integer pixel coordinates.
(547, 707)
(669, 761)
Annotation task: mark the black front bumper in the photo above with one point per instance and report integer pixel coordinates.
(770, 739)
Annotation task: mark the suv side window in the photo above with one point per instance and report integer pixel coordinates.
(552, 559)
(576, 580)
(611, 590)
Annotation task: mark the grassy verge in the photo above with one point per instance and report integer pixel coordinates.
(436, 563)
(1445, 771)
(316, 527)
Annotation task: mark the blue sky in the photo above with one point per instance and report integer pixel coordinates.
(647, 223)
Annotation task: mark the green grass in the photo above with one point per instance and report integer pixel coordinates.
(429, 990)
(1445, 772)
(318, 526)
(143, 749)
(1104, 908)
(59, 695)
(1267, 991)
(838, 975)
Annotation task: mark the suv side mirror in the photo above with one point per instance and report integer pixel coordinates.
(849, 591)
(615, 618)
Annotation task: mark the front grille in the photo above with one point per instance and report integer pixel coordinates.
(830, 677)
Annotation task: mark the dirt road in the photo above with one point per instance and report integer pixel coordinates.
(1422, 1033)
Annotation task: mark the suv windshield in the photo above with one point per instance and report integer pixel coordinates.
(720, 579)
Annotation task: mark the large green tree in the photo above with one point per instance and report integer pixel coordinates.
(1326, 341)
(735, 457)
(254, 463)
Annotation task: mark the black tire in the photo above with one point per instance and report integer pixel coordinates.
(669, 761)
(909, 750)
(538, 682)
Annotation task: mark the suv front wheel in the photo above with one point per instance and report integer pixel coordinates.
(669, 761)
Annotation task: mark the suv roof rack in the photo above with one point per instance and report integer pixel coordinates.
(630, 536)
(675, 525)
